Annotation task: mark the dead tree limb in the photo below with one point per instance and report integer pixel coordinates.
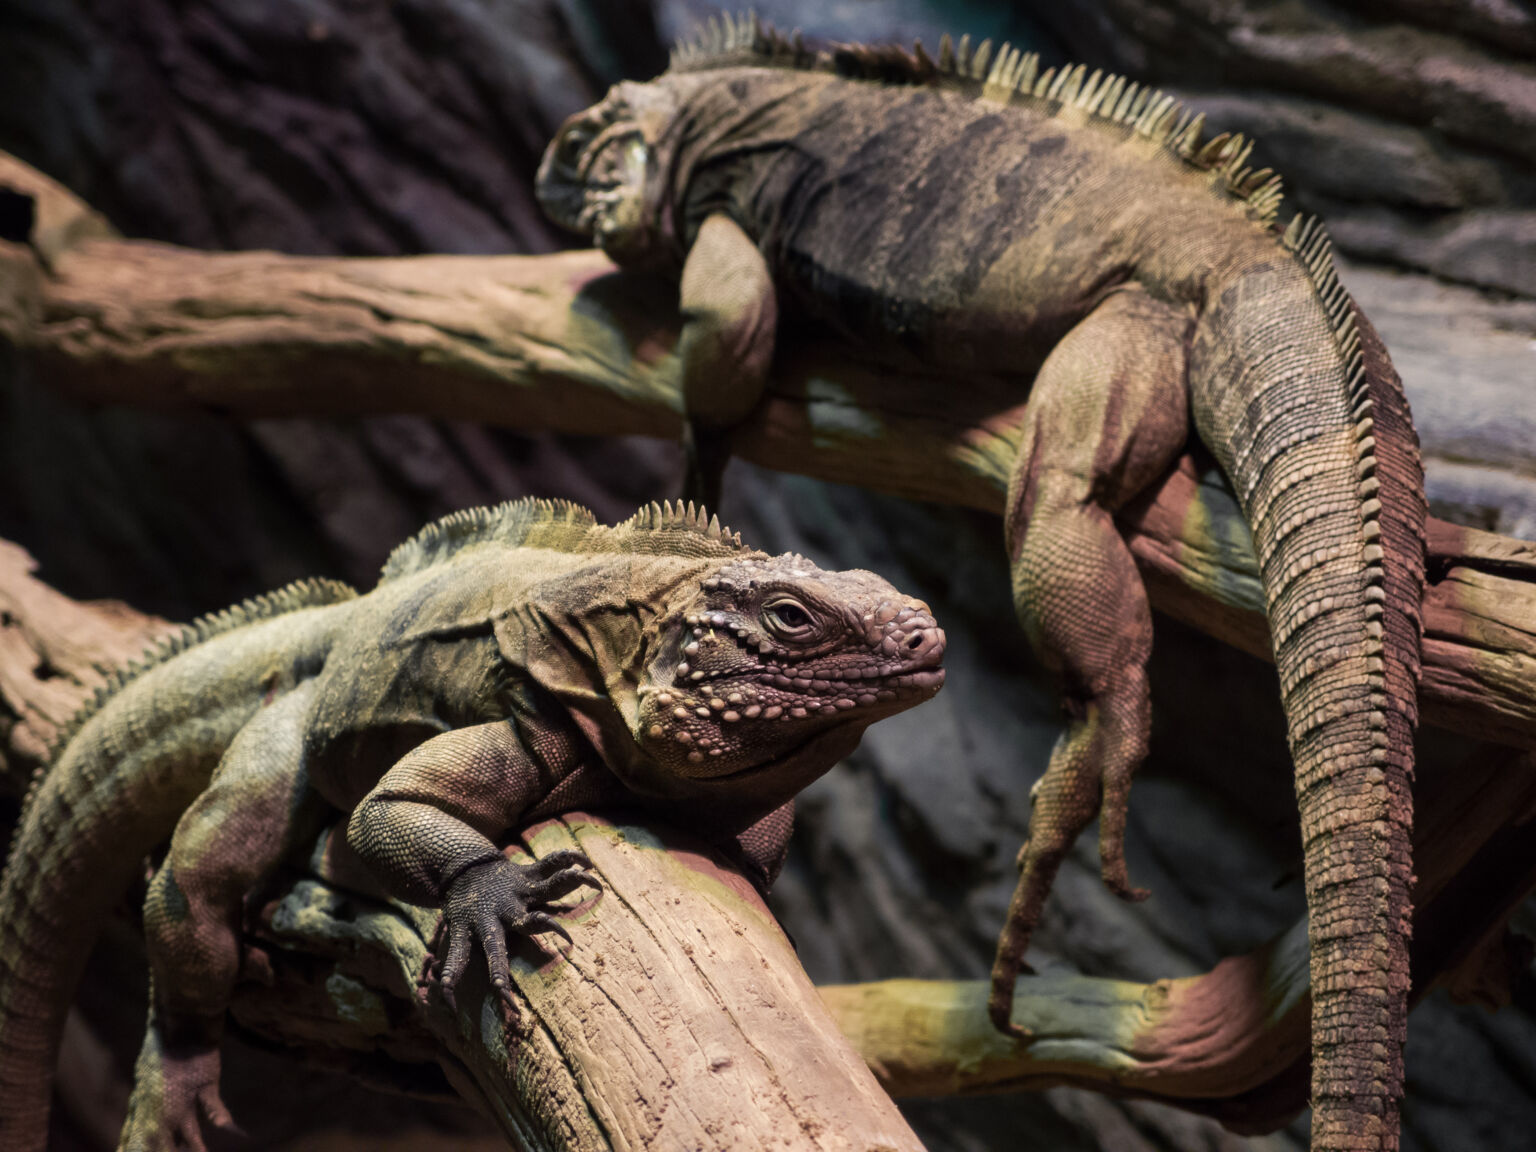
(562, 342)
(677, 1017)
(1232, 1043)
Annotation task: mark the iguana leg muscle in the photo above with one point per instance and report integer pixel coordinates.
(426, 832)
(255, 809)
(1108, 413)
(730, 315)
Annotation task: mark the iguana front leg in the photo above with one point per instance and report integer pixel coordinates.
(426, 833)
(730, 315)
(1108, 414)
(256, 808)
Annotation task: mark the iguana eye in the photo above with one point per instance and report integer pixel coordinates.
(787, 618)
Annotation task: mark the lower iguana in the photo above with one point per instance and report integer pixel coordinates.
(972, 214)
(511, 664)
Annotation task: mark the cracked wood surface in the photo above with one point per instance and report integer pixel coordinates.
(561, 342)
(678, 1016)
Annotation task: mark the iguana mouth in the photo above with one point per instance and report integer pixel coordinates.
(904, 658)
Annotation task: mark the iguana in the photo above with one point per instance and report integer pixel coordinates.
(972, 213)
(512, 663)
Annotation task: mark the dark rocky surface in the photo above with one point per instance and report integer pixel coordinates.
(372, 127)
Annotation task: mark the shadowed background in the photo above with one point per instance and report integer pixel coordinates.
(365, 127)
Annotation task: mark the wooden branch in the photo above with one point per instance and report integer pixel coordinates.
(678, 1017)
(1234, 1042)
(562, 342)
(54, 652)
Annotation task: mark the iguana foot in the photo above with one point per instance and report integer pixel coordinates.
(176, 1089)
(488, 900)
(1081, 782)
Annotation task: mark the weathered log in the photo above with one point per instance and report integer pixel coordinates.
(563, 342)
(677, 1016)
(54, 652)
(1232, 1043)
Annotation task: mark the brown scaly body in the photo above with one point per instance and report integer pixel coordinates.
(972, 213)
(512, 663)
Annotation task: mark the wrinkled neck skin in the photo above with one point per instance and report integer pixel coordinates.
(728, 123)
(586, 637)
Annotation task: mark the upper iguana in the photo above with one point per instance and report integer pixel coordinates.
(511, 664)
(973, 214)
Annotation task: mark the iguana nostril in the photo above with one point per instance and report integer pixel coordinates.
(925, 645)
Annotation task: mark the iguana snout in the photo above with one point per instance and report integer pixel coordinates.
(597, 174)
(770, 653)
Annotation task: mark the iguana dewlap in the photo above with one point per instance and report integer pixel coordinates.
(973, 214)
(512, 663)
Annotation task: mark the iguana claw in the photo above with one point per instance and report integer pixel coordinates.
(490, 899)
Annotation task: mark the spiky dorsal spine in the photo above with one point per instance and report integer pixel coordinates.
(1007, 76)
(560, 526)
(742, 39)
(510, 524)
(677, 528)
(1370, 401)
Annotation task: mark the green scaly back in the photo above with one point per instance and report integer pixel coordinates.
(309, 593)
(1007, 76)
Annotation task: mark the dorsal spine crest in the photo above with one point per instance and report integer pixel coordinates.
(561, 526)
(1009, 76)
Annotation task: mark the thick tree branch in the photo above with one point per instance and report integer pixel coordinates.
(677, 1016)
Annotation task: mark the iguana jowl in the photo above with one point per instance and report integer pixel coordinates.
(973, 214)
(512, 664)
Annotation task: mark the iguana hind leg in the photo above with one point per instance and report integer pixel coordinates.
(256, 808)
(1109, 412)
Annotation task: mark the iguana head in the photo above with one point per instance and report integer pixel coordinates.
(603, 174)
(771, 655)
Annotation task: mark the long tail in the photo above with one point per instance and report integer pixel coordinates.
(1296, 396)
(125, 772)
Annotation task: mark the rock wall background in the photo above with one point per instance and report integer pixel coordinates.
(365, 127)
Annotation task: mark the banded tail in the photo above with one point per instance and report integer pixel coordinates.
(1294, 392)
(107, 800)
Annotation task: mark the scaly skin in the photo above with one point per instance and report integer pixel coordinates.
(971, 215)
(512, 663)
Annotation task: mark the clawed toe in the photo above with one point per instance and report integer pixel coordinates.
(491, 900)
